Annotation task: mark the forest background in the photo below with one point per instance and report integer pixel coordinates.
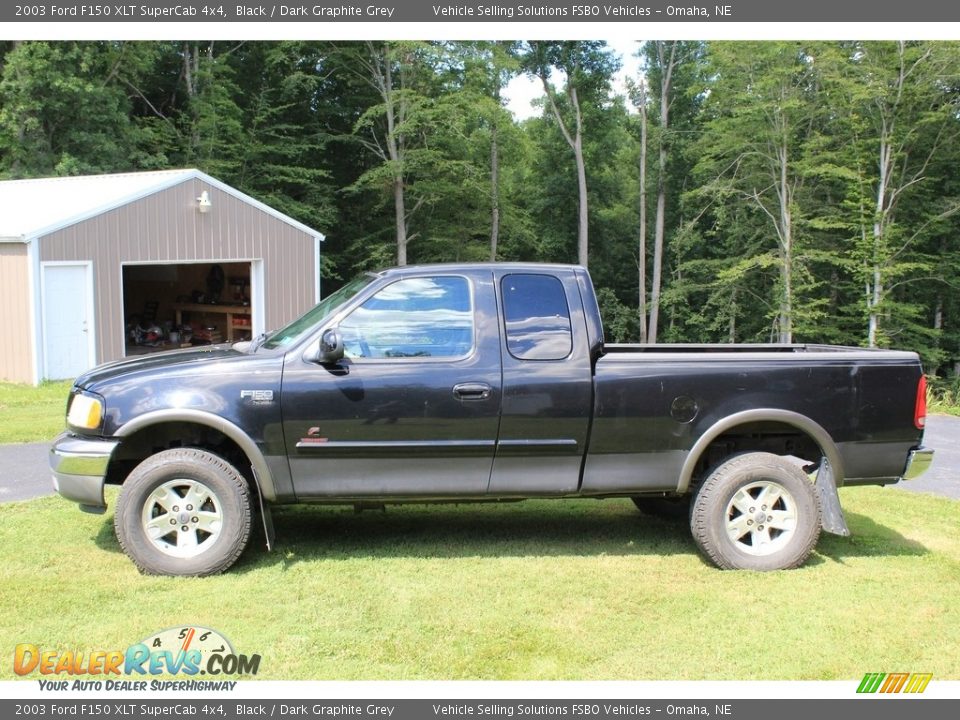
(731, 192)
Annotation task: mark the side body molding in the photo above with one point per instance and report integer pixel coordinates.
(787, 417)
(262, 476)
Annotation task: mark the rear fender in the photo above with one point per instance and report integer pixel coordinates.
(829, 477)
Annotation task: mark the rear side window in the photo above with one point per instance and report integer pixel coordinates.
(537, 317)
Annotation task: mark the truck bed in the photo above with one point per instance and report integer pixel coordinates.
(808, 350)
(660, 400)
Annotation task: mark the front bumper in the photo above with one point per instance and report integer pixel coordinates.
(79, 469)
(918, 462)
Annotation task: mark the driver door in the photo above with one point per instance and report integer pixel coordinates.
(412, 410)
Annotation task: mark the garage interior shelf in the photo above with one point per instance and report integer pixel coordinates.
(237, 316)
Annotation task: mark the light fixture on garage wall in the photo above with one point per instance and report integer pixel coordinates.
(203, 202)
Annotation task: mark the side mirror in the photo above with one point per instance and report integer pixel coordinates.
(331, 347)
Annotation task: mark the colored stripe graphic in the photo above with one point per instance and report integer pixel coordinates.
(918, 682)
(870, 682)
(894, 682)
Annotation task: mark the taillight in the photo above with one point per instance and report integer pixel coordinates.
(920, 409)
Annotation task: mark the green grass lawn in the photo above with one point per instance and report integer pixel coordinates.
(32, 414)
(533, 590)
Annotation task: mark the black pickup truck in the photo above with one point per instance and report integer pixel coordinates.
(485, 382)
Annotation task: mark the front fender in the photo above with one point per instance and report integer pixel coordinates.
(262, 475)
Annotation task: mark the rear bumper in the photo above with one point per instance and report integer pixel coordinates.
(80, 468)
(918, 462)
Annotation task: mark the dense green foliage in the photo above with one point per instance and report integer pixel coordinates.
(801, 191)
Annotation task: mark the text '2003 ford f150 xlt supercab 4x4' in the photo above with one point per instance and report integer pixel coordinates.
(485, 382)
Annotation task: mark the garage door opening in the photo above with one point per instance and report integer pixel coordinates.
(168, 307)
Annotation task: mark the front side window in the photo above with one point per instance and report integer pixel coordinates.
(537, 317)
(424, 317)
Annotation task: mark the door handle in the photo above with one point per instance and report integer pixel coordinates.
(472, 391)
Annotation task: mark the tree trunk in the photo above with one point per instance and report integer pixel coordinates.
(642, 245)
(395, 153)
(786, 265)
(191, 72)
(873, 300)
(576, 144)
(494, 190)
(882, 210)
(732, 325)
(666, 72)
(937, 328)
(400, 217)
(875, 289)
(21, 130)
(657, 251)
(582, 227)
(582, 239)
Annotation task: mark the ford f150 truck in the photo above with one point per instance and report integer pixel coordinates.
(485, 382)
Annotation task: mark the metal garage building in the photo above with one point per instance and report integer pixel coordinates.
(82, 257)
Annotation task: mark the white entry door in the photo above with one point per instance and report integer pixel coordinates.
(67, 320)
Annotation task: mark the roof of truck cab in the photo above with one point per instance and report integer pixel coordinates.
(460, 267)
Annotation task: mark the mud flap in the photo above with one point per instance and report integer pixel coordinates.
(831, 514)
(265, 515)
(268, 525)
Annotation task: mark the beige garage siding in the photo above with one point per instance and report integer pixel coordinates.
(166, 227)
(16, 355)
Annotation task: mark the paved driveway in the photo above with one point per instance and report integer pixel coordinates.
(24, 471)
(943, 477)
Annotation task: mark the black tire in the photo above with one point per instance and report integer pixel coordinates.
(668, 508)
(183, 512)
(738, 528)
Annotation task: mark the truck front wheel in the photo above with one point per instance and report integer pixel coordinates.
(183, 512)
(756, 511)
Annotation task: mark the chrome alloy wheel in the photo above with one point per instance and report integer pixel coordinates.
(182, 518)
(761, 518)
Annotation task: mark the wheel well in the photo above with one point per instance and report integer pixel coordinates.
(148, 441)
(763, 436)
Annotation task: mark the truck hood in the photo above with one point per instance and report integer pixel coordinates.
(193, 361)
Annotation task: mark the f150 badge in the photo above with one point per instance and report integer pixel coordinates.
(257, 396)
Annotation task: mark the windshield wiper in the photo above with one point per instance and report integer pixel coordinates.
(258, 341)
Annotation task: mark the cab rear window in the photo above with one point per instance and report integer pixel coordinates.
(536, 317)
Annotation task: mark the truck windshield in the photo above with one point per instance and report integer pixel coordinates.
(289, 334)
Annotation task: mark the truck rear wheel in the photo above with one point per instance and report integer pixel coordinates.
(756, 511)
(183, 512)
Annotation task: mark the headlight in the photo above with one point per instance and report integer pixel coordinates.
(85, 412)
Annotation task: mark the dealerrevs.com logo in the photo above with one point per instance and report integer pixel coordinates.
(181, 651)
(894, 682)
